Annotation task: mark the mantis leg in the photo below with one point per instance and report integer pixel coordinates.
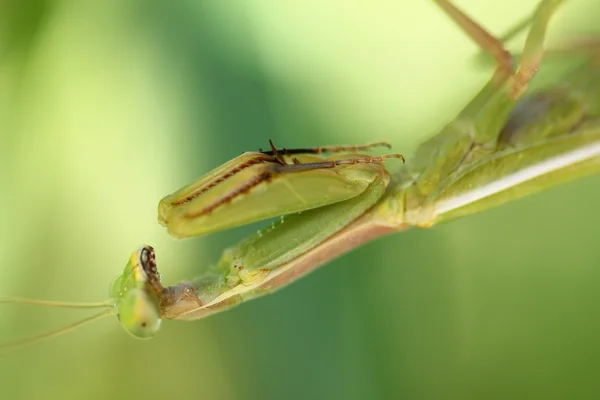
(296, 234)
(273, 156)
(474, 134)
(325, 149)
(532, 53)
(275, 170)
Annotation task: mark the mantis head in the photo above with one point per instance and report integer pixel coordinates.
(134, 298)
(135, 294)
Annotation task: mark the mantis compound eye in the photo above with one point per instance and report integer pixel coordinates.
(139, 313)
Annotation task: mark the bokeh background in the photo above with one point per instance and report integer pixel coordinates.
(107, 106)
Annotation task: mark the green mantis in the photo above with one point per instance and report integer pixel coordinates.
(505, 144)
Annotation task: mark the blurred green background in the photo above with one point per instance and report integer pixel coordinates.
(107, 106)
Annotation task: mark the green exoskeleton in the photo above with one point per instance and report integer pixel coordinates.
(261, 185)
(505, 144)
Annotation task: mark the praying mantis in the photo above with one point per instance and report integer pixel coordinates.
(505, 144)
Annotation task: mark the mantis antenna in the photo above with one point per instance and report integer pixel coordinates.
(53, 304)
(20, 343)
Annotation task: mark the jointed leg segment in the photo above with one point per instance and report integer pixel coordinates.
(270, 171)
(532, 53)
(325, 149)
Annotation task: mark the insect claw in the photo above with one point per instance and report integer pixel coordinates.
(399, 156)
(276, 153)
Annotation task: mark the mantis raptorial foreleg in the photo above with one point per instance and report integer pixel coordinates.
(256, 186)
